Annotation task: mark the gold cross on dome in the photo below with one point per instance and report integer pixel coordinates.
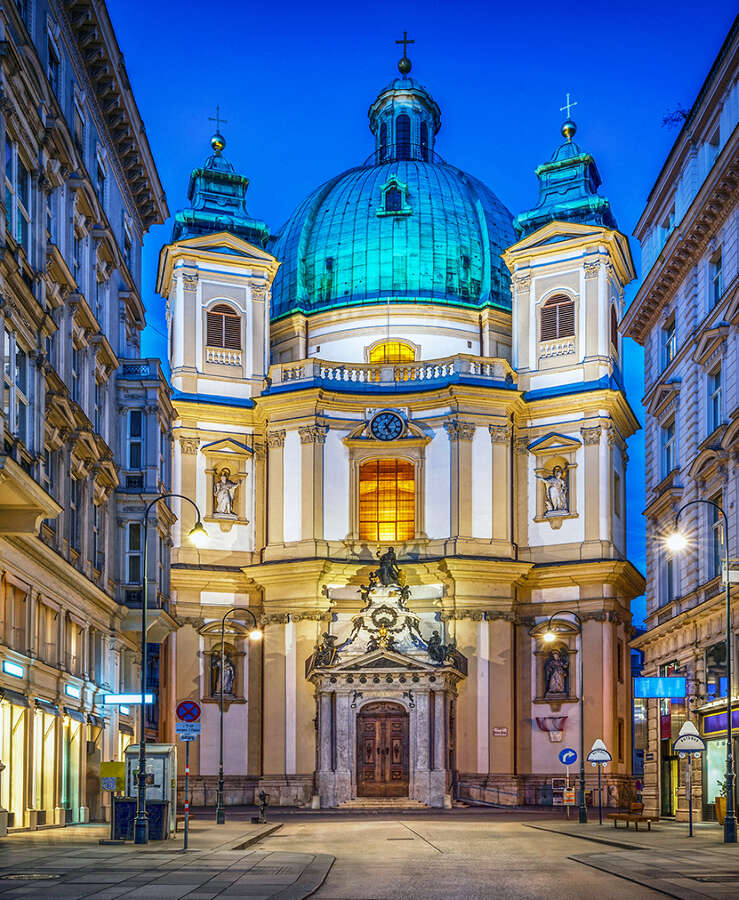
(405, 41)
(568, 105)
(218, 120)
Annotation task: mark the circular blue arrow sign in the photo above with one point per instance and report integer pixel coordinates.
(567, 756)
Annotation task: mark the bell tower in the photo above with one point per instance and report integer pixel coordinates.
(569, 269)
(217, 277)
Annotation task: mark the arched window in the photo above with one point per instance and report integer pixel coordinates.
(557, 319)
(387, 507)
(224, 327)
(614, 328)
(383, 142)
(403, 136)
(393, 200)
(392, 352)
(424, 141)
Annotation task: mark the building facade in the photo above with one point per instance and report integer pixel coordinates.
(403, 367)
(685, 315)
(81, 189)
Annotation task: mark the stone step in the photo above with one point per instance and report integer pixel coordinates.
(383, 803)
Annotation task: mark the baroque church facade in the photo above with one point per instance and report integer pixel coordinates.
(402, 418)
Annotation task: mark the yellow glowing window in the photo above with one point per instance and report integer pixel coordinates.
(392, 352)
(387, 507)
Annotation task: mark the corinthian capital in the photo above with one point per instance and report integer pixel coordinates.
(591, 435)
(313, 434)
(276, 438)
(500, 434)
(459, 431)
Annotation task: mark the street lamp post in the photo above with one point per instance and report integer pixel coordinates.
(549, 636)
(255, 634)
(196, 533)
(675, 543)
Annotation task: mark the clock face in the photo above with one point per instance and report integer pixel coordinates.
(387, 426)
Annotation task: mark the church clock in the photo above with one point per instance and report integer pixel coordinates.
(387, 426)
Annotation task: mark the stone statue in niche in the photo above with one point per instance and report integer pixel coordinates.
(556, 502)
(224, 490)
(229, 675)
(557, 674)
(389, 571)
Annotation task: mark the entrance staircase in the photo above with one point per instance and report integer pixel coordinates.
(371, 804)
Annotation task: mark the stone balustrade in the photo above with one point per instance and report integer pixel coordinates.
(451, 368)
(220, 356)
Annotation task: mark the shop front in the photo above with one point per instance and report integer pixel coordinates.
(713, 731)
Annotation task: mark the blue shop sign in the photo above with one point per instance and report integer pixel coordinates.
(672, 686)
(715, 723)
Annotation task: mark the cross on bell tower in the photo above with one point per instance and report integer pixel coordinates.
(404, 66)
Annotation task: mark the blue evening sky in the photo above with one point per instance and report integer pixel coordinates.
(295, 80)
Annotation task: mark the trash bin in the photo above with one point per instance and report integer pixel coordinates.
(124, 813)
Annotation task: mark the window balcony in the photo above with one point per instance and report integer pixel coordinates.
(24, 502)
(561, 347)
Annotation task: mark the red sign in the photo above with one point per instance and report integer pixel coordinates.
(188, 711)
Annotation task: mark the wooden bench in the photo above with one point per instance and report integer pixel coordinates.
(635, 815)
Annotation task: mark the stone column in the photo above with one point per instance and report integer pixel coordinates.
(274, 699)
(502, 714)
(275, 486)
(312, 439)
(345, 750)
(591, 491)
(460, 435)
(501, 482)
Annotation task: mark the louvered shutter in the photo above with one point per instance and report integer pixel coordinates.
(232, 332)
(548, 323)
(566, 319)
(215, 329)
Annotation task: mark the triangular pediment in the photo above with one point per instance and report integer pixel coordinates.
(383, 659)
(663, 395)
(710, 341)
(554, 443)
(225, 242)
(229, 446)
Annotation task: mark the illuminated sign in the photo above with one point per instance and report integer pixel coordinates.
(125, 710)
(117, 699)
(670, 686)
(72, 690)
(11, 668)
(715, 723)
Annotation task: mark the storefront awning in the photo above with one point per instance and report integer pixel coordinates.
(47, 707)
(74, 714)
(14, 697)
(96, 721)
(125, 729)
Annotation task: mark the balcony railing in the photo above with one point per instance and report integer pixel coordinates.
(563, 347)
(220, 356)
(400, 375)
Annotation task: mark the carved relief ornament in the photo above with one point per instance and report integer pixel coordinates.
(459, 431)
(276, 438)
(189, 445)
(500, 434)
(313, 434)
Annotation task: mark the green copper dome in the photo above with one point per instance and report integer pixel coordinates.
(404, 227)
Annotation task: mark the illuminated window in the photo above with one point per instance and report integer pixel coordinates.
(392, 352)
(386, 500)
(224, 327)
(557, 319)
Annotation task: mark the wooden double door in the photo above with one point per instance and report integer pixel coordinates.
(382, 750)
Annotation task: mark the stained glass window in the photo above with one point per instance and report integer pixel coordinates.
(386, 500)
(392, 352)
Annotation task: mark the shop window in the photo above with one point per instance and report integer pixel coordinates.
(389, 352)
(557, 319)
(716, 680)
(386, 500)
(224, 327)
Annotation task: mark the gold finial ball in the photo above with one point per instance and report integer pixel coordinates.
(218, 142)
(568, 129)
(404, 66)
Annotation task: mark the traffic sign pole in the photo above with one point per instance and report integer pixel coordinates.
(187, 791)
(187, 729)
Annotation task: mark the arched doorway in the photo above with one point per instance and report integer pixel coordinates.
(382, 750)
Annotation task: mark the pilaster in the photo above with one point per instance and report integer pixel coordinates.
(460, 437)
(591, 436)
(275, 486)
(312, 440)
(501, 482)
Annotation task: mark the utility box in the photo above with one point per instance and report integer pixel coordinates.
(161, 776)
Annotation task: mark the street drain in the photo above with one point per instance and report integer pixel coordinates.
(30, 876)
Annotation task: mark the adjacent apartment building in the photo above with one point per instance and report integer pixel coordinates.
(686, 315)
(84, 422)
